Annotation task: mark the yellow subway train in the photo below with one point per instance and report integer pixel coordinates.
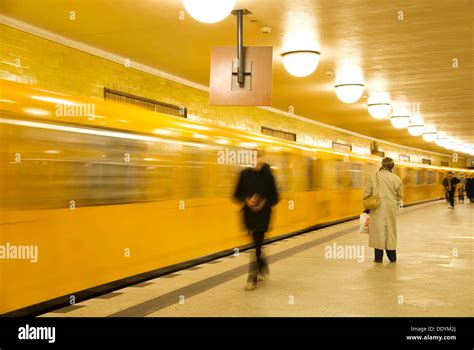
(96, 193)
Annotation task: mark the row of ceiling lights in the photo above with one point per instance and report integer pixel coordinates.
(349, 87)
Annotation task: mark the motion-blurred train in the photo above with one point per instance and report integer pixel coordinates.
(114, 194)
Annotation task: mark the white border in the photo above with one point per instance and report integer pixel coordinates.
(28, 28)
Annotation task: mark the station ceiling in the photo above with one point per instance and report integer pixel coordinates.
(421, 52)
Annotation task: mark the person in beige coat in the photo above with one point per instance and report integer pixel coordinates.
(383, 223)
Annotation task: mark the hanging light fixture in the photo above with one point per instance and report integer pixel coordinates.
(416, 129)
(209, 11)
(349, 93)
(400, 117)
(400, 121)
(301, 63)
(379, 105)
(457, 146)
(429, 134)
(465, 149)
(349, 82)
(300, 52)
(449, 144)
(441, 140)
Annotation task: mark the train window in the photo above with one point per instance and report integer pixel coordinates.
(225, 178)
(418, 177)
(317, 174)
(321, 178)
(356, 175)
(431, 177)
(309, 173)
(339, 173)
(281, 168)
(198, 178)
(407, 179)
(297, 173)
(441, 178)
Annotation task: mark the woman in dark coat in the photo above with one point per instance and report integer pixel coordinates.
(470, 188)
(256, 189)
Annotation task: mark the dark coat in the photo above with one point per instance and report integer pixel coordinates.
(454, 181)
(470, 187)
(262, 183)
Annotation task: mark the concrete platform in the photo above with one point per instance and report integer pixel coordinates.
(328, 272)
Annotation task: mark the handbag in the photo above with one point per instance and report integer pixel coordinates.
(364, 223)
(372, 202)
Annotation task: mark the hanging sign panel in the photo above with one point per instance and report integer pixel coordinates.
(256, 87)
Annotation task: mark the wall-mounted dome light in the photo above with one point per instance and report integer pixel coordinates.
(400, 121)
(429, 136)
(209, 11)
(441, 140)
(379, 105)
(416, 129)
(301, 63)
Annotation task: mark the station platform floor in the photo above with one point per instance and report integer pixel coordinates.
(433, 277)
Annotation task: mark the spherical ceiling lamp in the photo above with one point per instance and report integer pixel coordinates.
(379, 110)
(301, 63)
(209, 11)
(379, 105)
(400, 121)
(465, 149)
(416, 129)
(441, 140)
(429, 136)
(349, 93)
(457, 146)
(449, 144)
(349, 81)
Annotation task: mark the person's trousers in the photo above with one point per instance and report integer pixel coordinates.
(451, 197)
(259, 264)
(391, 254)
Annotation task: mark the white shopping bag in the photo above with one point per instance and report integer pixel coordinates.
(364, 223)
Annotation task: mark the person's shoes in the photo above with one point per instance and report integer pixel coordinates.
(393, 261)
(261, 277)
(451, 207)
(264, 273)
(377, 261)
(250, 286)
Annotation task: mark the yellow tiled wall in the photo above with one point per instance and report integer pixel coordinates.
(31, 59)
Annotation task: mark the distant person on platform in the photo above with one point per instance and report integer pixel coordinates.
(256, 190)
(382, 223)
(470, 188)
(449, 183)
(461, 188)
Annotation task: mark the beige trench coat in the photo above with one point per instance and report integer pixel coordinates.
(382, 222)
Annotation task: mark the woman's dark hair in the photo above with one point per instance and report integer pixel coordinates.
(387, 164)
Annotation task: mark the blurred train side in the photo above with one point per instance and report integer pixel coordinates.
(131, 191)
